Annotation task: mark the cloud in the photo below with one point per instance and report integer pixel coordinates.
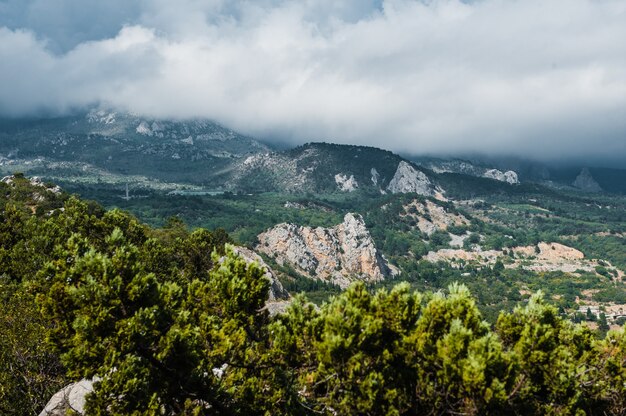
(531, 78)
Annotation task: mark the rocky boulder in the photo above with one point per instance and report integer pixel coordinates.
(336, 255)
(69, 400)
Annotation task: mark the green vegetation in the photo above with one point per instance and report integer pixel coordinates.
(169, 328)
(505, 216)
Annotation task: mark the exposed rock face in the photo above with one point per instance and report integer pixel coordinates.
(34, 181)
(375, 176)
(431, 217)
(455, 166)
(585, 182)
(407, 179)
(280, 171)
(345, 183)
(337, 255)
(306, 205)
(550, 257)
(70, 398)
(276, 291)
(509, 176)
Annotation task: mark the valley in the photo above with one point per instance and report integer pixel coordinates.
(428, 223)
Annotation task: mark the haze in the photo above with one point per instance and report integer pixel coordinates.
(533, 78)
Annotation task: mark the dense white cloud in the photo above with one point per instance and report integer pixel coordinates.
(534, 77)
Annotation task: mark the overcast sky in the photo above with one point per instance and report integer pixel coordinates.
(542, 78)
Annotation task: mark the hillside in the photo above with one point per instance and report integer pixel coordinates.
(318, 167)
(557, 175)
(105, 146)
(108, 149)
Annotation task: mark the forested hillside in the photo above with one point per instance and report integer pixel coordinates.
(169, 321)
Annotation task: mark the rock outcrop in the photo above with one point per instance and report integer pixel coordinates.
(407, 179)
(375, 176)
(509, 176)
(69, 400)
(336, 255)
(585, 182)
(545, 257)
(345, 183)
(276, 292)
(430, 217)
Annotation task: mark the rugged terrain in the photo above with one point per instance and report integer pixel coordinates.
(121, 147)
(337, 255)
(323, 215)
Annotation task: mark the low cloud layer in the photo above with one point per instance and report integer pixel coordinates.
(535, 78)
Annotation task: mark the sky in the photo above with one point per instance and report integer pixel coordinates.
(532, 78)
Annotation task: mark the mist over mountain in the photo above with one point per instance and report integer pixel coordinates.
(112, 147)
(531, 79)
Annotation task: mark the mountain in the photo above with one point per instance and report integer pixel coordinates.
(113, 144)
(108, 148)
(325, 167)
(515, 170)
(103, 147)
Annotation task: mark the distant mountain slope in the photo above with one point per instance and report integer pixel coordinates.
(610, 180)
(324, 167)
(110, 147)
(188, 151)
(466, 167)
(105, 147)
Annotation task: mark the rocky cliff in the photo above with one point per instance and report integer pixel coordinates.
(585, 182)
(336, 255)
(407, 179)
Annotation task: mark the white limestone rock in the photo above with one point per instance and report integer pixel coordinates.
(509, 176)
(144, 129)
(407, 179)
(375, 176)
(71, 398)
(345, 183)
(337, 255)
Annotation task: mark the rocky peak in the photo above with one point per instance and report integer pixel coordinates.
(336, 255)
(585, 182)
(407, 179)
